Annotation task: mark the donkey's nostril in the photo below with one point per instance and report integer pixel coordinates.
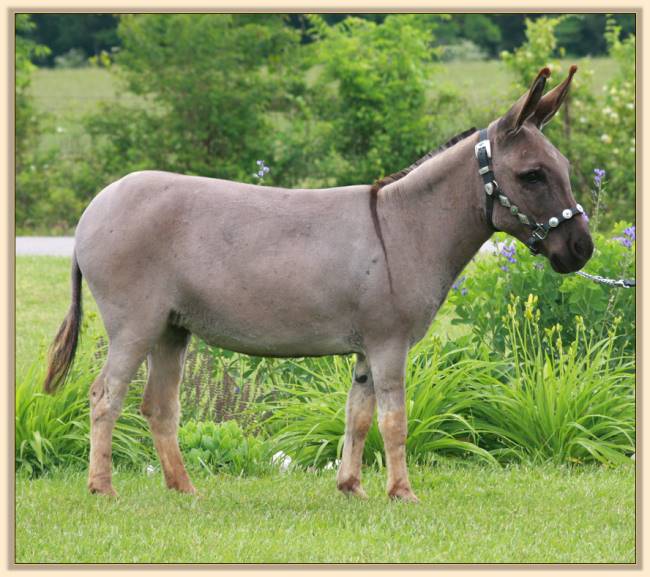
(583, 247)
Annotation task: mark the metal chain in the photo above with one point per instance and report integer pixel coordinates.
(623, 283)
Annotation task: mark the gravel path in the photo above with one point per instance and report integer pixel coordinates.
(63, 245)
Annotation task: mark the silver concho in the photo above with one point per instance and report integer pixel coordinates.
(553, 222)
(579, 208)
(489, 188)
(523, 218)
(504, 201)
(567, 213)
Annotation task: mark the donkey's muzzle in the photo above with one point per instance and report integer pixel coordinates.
(572, 254)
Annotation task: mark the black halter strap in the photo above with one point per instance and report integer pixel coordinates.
(539, 230)
(484, 156)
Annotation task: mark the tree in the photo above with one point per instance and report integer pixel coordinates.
(210, 82)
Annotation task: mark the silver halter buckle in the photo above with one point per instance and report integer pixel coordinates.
(540, 233)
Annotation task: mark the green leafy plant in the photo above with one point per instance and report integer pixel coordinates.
(373, 91)
(224, 447)
(307, 415)
(54, 431)
(512, 270)
(562, 403)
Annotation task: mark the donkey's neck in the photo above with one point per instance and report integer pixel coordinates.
(433, 221)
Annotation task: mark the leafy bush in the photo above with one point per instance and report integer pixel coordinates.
(307, 416)
(373, 91)
(197, 115)
(513, 271)
(223, 447)
(558, 403)
(54, 431)
(73, 58)
(464, 50)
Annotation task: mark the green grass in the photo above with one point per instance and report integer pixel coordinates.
(468, 514)
(66, 95)
(42, 300)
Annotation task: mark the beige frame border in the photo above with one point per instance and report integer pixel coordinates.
(7, 255)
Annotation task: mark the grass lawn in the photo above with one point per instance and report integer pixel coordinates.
(42, 300)
(468, 514)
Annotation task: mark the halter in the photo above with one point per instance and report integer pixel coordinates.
(539, 230)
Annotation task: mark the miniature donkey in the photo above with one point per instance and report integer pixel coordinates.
(292, 273)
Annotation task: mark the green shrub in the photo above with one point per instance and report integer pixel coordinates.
(373, 91)
(223, 447)
(211, 117)
(513, 271)
(307, 415)
(559, 403)
(54, 431)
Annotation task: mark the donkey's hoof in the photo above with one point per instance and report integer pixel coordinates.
(352, 487)
(98, 488)
(182, 486)
(404, 494)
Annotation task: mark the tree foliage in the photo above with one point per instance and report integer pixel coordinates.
(209, 84)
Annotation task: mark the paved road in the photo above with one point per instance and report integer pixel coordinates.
(45, 245)
(63, 245)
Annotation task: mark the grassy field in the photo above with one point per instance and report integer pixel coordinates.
(42, 300)
(468, 514)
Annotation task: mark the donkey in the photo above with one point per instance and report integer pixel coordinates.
(292, 273)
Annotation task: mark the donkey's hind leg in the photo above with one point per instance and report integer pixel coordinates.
(106, 397)
(161, 405)
(359, 412)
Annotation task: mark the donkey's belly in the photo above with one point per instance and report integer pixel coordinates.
(275, 337)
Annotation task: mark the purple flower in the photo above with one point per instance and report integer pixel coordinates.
(585, 216)
(459, 281)
(599, 174)
(463, 292)
(262, 171)
(629, 236)
(626, 242)
(508, 252)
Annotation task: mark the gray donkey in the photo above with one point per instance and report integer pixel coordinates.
(292, 273)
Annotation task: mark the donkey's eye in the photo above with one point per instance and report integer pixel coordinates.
(533, 176)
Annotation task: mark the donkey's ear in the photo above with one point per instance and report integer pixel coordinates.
(525, 107)
(552, 100)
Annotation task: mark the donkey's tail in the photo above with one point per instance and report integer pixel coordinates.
(64, 346)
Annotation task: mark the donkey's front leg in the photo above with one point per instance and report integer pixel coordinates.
(388, 362)
(359, 411)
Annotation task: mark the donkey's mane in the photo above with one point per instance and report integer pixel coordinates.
(381, 182)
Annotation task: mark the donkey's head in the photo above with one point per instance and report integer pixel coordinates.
(539, 208)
